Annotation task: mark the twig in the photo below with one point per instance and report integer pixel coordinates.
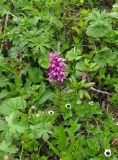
(13, 15)
(99, 91)
(6, 21)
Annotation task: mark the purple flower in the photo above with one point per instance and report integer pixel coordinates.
(56, 68)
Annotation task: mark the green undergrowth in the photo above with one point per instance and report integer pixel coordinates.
(38, 119)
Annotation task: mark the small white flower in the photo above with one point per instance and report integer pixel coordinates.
(50, 112)
(91, 103)
(79, 101)
(107, 152)
(68, 105)
(37, 115)
(42, 112)
(33, 107)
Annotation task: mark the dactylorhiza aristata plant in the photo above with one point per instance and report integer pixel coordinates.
(56, 68)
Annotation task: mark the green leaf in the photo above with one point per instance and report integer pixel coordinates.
(98, 30)
(8, 148)
(114, 15)
(80, 66)
(61, 138)
(43, 129)
(3, 81)
(44, 61)
(106, 58)
(54, 149)
(73, 54)
(45, 97)
(90, 2)
(81, 1)
(99, 23)
(81, 94)
(35, 74)
(14, 127)
(87, 94)
(42, 89)
(3, 125)
(12, 105)
(87, 85)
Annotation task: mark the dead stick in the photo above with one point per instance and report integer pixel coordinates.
(99, 91)
(6, 21)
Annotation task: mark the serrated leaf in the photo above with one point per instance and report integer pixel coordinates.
(13, 126)
(42, 130)
(99, 23)
(61, 138)
(98, 30)
(11, 105)
(81, 94)
(3, 81)
(86, 94)
(8, 148)
(3, 125)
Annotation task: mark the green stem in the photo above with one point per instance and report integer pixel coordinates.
(59, 98)
(21, 153)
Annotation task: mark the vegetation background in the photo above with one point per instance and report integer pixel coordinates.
(40, 120)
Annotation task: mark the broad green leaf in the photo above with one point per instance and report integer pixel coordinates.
(43, 61)
(99, 23)
(11, 105)
(45, 97)
(73, 54)
(35, 74)
(98, 30)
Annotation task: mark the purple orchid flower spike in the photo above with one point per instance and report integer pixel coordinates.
(56, 68)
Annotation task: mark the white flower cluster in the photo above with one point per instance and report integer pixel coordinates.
(51, 112)
(91, 103)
